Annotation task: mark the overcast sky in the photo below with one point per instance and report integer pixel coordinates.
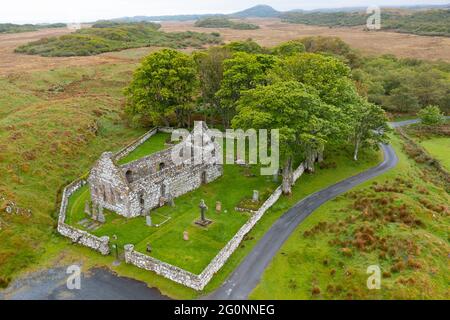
(35, 11)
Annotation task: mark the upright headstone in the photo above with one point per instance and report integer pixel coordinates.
(148, 220)
(101, 217)
(255, 196)
(218, 206)
(203, 209)
(87, 208)
(149, 248)
(170, 200)
(185, 236)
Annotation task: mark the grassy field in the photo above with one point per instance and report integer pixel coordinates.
(398, 221)
(53, 126)
(435, 140)
(439, 148)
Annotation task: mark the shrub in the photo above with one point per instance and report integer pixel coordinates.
(431, 115)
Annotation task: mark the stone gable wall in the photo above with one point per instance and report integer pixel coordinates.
(135, 188)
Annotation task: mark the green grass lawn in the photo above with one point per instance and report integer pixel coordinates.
(439, 148)
(167, 240)
(313, 268)
(154, 144)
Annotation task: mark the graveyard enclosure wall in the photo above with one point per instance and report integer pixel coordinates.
(79, 236)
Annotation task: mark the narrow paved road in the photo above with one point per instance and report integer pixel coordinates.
(247, 275)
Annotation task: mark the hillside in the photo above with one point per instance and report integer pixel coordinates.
(427, 22)
(219, 22)
(113, 36)
(17, 28)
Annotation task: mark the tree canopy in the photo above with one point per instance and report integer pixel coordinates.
(164, 84)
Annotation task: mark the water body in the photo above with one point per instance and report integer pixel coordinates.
(96, 284)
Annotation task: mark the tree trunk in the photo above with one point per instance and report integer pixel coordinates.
(310, 160)
(320, 156)
(287, 177)
(165, 120)
(355, 156)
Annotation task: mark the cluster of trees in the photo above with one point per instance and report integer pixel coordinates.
(222, 22)
(404, 85)
(309, 97)
(108, 36)
(16, 28)
(424, 22)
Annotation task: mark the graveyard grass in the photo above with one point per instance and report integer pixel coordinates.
(154, 144)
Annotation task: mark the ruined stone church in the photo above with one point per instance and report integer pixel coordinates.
(134, 188)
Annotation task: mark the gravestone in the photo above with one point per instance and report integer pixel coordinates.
(148, 220)
(218, 206)
(185, 236)
(87, 208)
(100, 216)
(255, 196)
(203, 221)
(171, 201)
(148, 248)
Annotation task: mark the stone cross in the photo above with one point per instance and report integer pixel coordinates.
(185, 236)
(218, 206)
(203, 209)
(255, 196)
(87, 208)
(148, 220)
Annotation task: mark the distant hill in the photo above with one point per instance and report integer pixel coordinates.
(265, 11)
(260, 11)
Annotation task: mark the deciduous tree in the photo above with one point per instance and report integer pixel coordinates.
(164, 84)
(305, 122)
